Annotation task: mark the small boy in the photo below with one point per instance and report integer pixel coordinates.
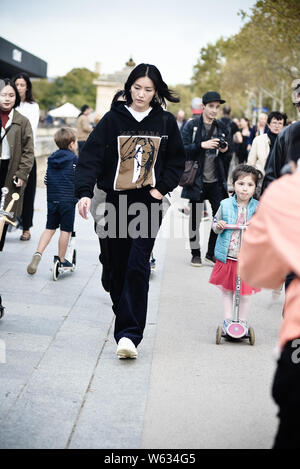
(61, 200)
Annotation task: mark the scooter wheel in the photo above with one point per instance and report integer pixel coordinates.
(251, 336)
(1, 309)
(55, 271)
(219, 335)
(74, 258)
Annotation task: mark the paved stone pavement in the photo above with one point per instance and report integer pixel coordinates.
(62, 385)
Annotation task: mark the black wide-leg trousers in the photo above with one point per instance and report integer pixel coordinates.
(129, 255)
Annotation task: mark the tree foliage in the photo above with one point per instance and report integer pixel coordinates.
(255, 67)
(76, 87)
(186, 95)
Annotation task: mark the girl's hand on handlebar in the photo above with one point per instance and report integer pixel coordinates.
(221, 225)
(84, 205)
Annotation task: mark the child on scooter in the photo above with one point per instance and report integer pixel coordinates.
(235, 210)
(61, 199)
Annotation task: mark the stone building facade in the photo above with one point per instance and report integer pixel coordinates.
(108, 85)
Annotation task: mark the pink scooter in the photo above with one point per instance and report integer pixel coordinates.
(236, 329)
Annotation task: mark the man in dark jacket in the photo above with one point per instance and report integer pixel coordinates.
(279, 155)
(205, 140)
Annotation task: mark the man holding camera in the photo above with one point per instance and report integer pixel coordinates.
(205, 141)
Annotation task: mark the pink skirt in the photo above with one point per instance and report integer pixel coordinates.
(224, 277)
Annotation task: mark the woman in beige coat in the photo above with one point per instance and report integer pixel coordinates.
(16, 148)
(84, 127)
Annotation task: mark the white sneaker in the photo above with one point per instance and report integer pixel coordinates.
(32, 267)
(126, 348)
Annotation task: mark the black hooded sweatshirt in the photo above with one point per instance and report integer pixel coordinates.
(123, 154)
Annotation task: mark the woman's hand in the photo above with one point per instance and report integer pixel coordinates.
(84, 206)
(156, 194)
(18, 182)
(221, 225)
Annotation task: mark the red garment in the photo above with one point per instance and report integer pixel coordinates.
(224, 276)
(4, 118)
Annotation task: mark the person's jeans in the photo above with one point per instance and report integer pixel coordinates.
(3, 173)
(28, 201)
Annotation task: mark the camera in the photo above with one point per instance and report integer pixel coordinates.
(222, 142)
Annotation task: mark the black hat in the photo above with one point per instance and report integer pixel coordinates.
(211, 96)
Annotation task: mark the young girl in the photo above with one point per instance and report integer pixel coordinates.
(234, 210)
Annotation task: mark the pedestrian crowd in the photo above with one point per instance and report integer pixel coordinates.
(128, 164)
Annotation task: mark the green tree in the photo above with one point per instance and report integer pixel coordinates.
(44, 92)
(76, 87)
(270, 46)
(208, 70)
(186, 95)
(255, 67)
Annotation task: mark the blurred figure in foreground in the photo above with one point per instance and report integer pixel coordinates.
(273, 240)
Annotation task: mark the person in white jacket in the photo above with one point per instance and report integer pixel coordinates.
(30, 109)
(263, 144)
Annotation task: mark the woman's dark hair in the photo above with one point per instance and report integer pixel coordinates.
(247, 120)
(279, 116)
(162, 91)
(9, 82)
(119, 94)
(28, 97)
(246, 170)
(83, 109)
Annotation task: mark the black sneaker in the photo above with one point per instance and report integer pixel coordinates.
(1, 308)
(210, 260)
(66, 264)
(196, 261)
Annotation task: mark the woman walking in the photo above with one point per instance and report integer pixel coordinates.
(84, 127)
(136, 155)
(242, 150)
(16, 148)
(30, 109)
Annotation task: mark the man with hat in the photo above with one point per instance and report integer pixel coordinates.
(205, 141)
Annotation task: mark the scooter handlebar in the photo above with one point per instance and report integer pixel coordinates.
(229, 226)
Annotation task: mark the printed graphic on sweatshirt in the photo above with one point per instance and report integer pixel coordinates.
(137, 157)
